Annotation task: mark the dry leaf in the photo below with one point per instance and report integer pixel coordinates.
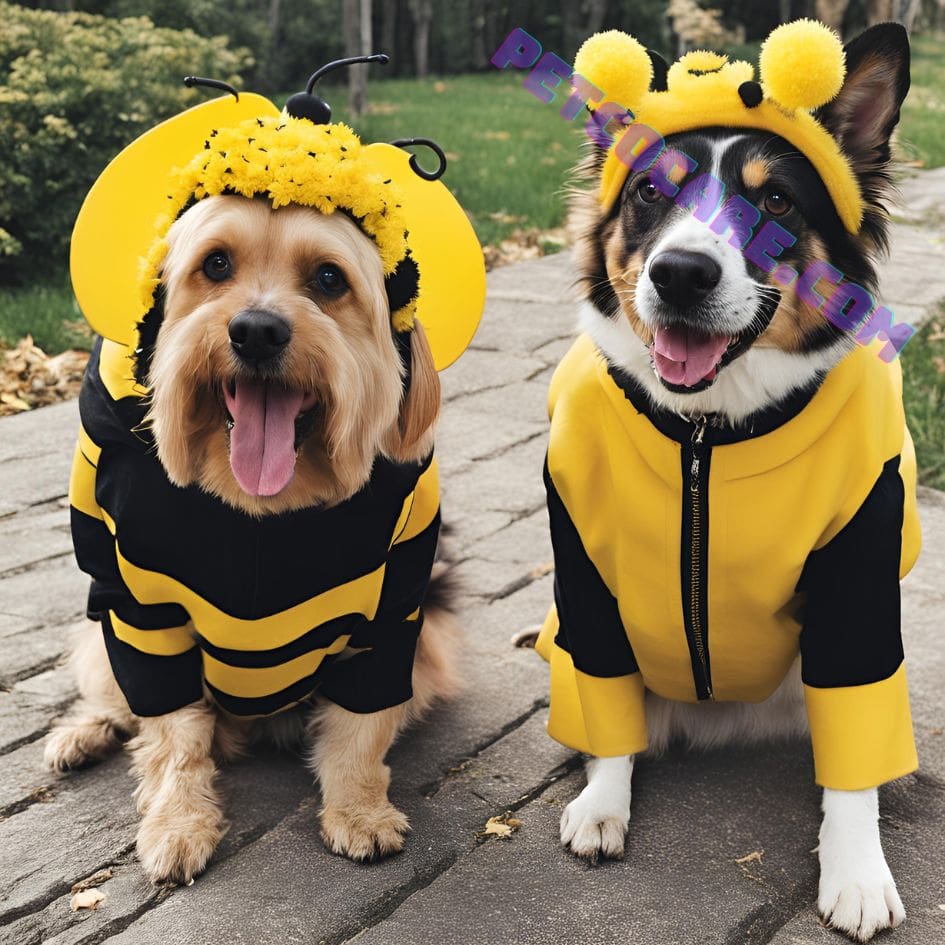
(502, 826)
(30, 378)
(87, 899)
(753, 857)
(96, 879)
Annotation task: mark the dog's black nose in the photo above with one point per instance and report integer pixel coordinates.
(683, 278)
(258, 336)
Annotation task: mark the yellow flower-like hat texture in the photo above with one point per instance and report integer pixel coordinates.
(429, 251)
(801, 66)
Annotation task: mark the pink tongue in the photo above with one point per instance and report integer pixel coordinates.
(262, 441)
(683, 356)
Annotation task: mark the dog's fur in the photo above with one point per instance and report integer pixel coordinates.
(343, 352)
(619, 309)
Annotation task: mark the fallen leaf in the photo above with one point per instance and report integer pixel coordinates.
(87, 899)
(439, 86)
(753, 857)
(502, 826)
(96, 879)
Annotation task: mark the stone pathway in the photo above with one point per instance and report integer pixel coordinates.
(273, 883)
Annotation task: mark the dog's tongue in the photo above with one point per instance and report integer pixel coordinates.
(683, 356)
(262, 440)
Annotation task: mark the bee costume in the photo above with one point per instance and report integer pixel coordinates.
(193, 595)
(696, 560)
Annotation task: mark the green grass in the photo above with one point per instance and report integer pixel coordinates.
(923, 367)
(48, 313)
(922, 128)
(508, 153)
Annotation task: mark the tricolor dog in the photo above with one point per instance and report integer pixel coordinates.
(731, 484)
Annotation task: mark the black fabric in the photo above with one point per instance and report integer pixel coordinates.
(380, 677)
(680, 429)
(95, 554)
(590, 627)
(851, 615)
(153, 685)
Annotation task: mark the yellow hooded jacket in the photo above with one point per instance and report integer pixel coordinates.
(696, 560)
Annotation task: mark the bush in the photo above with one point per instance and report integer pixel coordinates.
(74, 90)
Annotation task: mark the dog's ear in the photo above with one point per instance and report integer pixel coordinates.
(866, 110)
(421, 403)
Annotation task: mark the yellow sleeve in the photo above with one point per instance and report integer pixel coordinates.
(601, 716)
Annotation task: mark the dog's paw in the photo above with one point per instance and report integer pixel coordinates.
(364, 835)
(860, 900)
(595, 826)
(79, 743)
(175, 850)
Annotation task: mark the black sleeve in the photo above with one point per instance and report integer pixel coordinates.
(590, 626)
(851, 616)
(381, 676)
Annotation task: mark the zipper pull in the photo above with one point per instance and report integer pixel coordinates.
(698, 435)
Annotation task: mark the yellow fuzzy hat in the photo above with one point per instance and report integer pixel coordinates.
(802, 67)
(432, 260)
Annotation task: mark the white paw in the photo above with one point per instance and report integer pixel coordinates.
(857, 891)
(860, 899)
(595, 825)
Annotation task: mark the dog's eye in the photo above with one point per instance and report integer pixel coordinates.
(329, 280)
(217, 266)
(648, 191)
(776, 204)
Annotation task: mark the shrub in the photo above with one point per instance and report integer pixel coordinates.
(74, 90)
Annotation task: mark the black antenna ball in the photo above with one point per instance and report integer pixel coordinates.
(309, 105)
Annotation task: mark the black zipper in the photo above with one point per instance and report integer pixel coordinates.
(694, 555)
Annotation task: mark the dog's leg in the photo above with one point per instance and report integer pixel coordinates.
(358, 821)
(100, 722)
(181, 817)
(857, 891)
(595, 823)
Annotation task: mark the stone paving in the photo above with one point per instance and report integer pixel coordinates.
(273, 883)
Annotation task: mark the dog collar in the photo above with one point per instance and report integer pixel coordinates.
(801, 66)
(243, 145)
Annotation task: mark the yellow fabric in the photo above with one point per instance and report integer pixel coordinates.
(610, 464)
(602, 717)
(253, 682)
(424, 503)
(82, 484)
(171, 641)
(711, 98)
(856, 733)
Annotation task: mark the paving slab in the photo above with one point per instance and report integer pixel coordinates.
(694, 815)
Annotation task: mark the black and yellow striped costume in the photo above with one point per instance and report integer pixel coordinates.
(263, 612)
(697, 561)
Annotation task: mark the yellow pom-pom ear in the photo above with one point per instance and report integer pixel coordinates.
(618, 65)
(802, 64)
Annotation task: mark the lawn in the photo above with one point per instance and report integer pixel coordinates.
(509, 157)
(923, 367)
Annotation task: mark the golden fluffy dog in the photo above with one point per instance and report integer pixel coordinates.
(342, 375)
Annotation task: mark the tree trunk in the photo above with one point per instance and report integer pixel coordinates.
(880, 11)
(480, 55)
(389, 31)
(909, 11)
(422, 13)
(356, 24)
(831, 12)
(595, 17)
